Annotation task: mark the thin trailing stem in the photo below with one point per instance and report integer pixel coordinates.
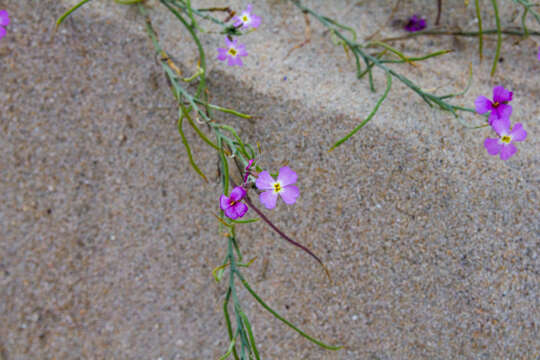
(480, 33)
(370, 116)
(429, 98)
(284, 236)
(529, 8)
(69, 12)
(242, 343)
(514, 32)
(499, 37)
(281, 318)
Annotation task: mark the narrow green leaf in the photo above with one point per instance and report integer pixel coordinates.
(228, 319)
(370, 116)
(250, 333)
(127, 2)
(281, 318)
(196, 128)
(499, 37)
(246, 221)
(188, 149)
(224, 167)
(67, 13)
(229, 350)
(480, 34)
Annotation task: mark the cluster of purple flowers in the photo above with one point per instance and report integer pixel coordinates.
(234, 50)
(4, 21)
(415, 23)
(499, 119)
(283, 187)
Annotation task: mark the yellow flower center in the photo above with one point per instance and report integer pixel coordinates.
(233, 51)
(245, 18)
(506, 139)
(495, 104)
(277, 187)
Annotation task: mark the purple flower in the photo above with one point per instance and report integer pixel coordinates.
(503, 144)
(247, 19)
(4, 21)
(233, 52)
(231, 205)
(499, 106)
(415, 23)
(282, 187)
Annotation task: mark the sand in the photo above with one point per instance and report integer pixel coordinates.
(108, 236)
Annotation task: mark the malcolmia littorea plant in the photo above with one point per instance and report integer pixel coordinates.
(233, 153)
(234, 204)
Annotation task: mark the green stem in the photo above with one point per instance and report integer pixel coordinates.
(188, 149)
(67, 13)
(127, 2)
(499, 37)
(427, 97)
(281, 318)
(228, 320)
(459, 33)
(418, 58)
(389, 48)
(199, 12)
(224, 167)
(225, 110)
(250, 333)
(185, 113)
(229, 350)
(370, 116)
(480, 34)
(202, 59)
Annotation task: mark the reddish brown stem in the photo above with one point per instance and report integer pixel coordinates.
(282, 234)
(439, 9)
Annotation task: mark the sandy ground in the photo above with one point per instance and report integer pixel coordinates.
(108, 238)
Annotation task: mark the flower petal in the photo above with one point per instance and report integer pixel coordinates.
(237, 21)
(492, 117)
(518, 133)
(231, 61)
(286, 176)
(501, 95)
(255, 21)
(482, 105)
(265, 181)
(501, 126)
(238, 193)
(242, 52)
(492, 146)
(231, 212)
(508, 151)
(4, 18)
(268, 198)
(223, 202)
(289, 194)
(239, 61)
(222, 54)
(248, 8)
(240, 209)
(503, 110)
